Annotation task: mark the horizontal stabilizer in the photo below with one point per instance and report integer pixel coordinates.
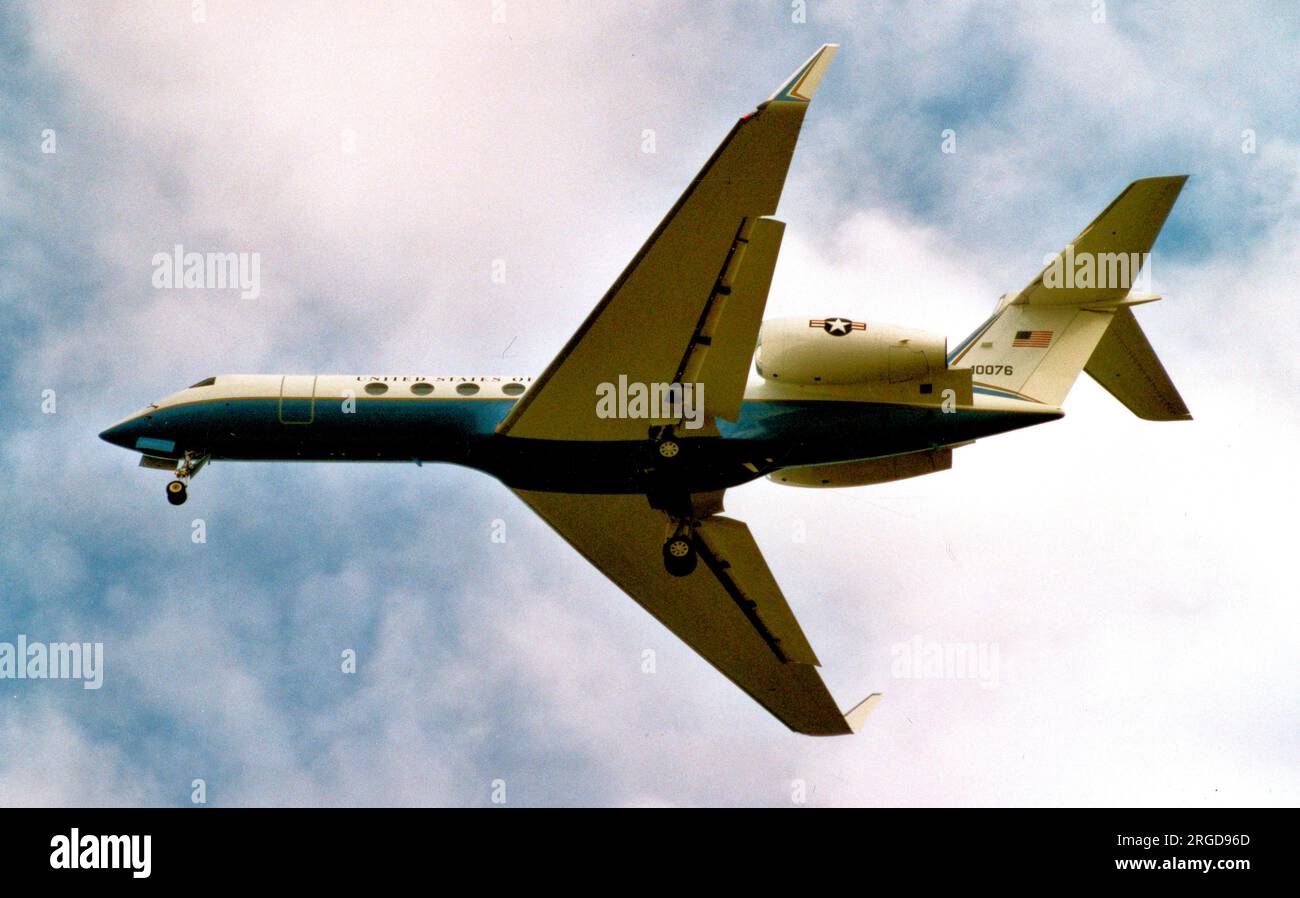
(1126, 365)
(1103, 262)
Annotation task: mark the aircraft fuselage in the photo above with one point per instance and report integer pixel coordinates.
(454, 420)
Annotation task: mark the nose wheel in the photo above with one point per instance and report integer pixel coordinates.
(178, 489)
(177, 493)
(680, 557)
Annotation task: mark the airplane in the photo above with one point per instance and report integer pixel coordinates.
(675, 389)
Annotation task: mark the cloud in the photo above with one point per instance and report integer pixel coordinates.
(52, 763)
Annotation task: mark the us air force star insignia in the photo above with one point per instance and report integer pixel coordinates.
(838, 327)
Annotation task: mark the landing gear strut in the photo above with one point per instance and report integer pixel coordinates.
(667, 476)
(177, 490)
(680, 557)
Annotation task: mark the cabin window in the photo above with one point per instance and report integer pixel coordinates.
(376, 389)
(206, 382)
(512, 389)
(421, 389)
(467, 389)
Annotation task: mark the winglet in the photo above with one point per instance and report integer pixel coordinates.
(800, 87)
(858, 714)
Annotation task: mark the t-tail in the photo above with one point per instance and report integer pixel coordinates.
(1077, 316)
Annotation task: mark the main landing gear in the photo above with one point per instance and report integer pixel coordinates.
(680, 557)
(665, 449)
(178, 490)
(671, 495)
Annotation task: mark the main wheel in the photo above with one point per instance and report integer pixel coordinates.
(176, 492)
(669, 449)
(679, 556)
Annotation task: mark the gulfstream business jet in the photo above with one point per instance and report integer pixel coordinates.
(628, 440)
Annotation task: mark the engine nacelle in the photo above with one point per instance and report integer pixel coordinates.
(842, 351)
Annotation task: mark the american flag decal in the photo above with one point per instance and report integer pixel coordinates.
(1032, 339)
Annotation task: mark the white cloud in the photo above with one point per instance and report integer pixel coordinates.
(50, 761)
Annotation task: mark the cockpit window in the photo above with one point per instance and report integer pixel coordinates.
(206, 382)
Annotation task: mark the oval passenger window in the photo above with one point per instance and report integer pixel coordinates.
(376, 389)
(512, 389)
(421, 389)
(467, 389)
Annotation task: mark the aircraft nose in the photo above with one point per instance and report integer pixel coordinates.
(119, 435)
(110, 436)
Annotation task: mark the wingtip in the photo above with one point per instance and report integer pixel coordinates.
(858, 714)
(800, 87)
(1171, 180)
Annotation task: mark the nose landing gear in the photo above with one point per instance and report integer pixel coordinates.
(178, 490)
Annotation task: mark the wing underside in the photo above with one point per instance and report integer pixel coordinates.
(687, 307)
(729, 610)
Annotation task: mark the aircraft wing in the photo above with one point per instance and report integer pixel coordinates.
(729, 610)
(688, 306)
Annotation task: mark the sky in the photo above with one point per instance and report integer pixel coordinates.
(1130, 579)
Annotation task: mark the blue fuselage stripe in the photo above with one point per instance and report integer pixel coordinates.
(767, 435)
